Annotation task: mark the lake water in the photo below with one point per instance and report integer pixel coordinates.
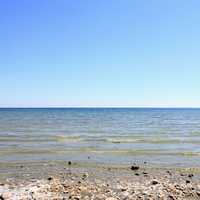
(165, 137)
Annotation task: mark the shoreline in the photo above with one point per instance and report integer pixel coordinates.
(68, 180)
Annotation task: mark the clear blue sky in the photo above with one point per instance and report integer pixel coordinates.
(99, 53)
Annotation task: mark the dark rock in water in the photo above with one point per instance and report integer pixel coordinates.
(50, 178)
(116, 142)
(88, 157)
(145, 162)
(154, 182)
(145, 173)
(69, 163)
(187, 181)
(182, 174)
(137, 174)
(190, 175)
(134, 167)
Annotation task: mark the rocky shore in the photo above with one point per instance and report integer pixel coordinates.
(103, 183)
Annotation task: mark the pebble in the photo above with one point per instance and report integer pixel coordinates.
(171, 197)
(190, 175)
(169, 173)
(50, 178)
(69, 163)
(187, 181)
(85, 175)
(198, 193)
(1, 197)
(111, 198)
(154, 182)
(134, 167)
(100, 197)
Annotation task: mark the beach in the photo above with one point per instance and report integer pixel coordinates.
(69, 180)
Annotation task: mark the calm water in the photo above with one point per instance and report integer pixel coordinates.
(159, 136)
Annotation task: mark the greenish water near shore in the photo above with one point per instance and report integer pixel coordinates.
(162, 137)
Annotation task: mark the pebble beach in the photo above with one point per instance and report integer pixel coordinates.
(70, 181)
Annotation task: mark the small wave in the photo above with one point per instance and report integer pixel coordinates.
(24, 139)
(190, 153)
(63, 138)
(98, 139)
(150, 140)
(195, 133)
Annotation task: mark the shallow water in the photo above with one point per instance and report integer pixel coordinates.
(168, 137)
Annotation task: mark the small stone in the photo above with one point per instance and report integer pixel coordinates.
(125, 194)
(154, 182)
(69, 163)
(171, 197)
(198, 193)
(99, 197)
(187, 181)
(1, 197)
(190, 175)
(85, 175)
(111, 198)
(137, 174)
(50, 178)
(134, 167)
(169, 172)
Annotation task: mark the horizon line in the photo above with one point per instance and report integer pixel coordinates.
(62, 107)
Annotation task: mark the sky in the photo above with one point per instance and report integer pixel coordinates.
(135, 53)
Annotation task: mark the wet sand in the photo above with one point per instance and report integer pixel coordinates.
(68, 180)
